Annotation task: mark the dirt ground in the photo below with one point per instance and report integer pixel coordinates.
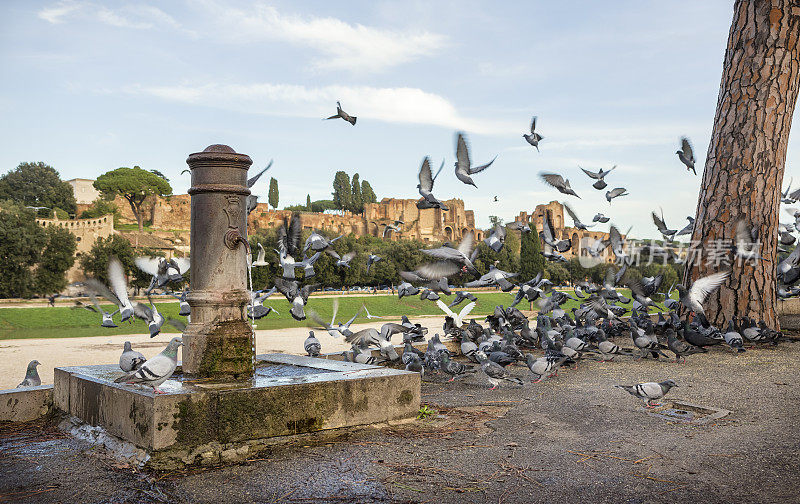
(105, 349)
(571, 438)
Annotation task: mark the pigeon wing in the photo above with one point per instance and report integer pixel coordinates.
(659, 223)
(477, 169)
(553, 179)
(293, 237)
(571, 213)
(591, 174)
(533, 125)
(435, 271)
(116, 277)
(425, 176)
(465, 247)
(252, 180)
(99, 288)
(686, 147)
(704, 286)
(462, 154)
(148, 264)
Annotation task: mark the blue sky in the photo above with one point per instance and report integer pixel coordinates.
(91, 86)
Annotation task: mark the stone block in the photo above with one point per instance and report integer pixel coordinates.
(25, 404)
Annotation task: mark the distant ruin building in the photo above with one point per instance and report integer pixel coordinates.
(86, 232)
(536, 219)
(84, 191)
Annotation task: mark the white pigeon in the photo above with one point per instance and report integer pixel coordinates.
(261, 259)
(155, 370)
(116, 278)
(458, 319)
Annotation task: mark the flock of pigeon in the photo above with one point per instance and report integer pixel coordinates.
(506, 338)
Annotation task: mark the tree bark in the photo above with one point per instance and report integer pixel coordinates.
(136, 208)
(746, 156)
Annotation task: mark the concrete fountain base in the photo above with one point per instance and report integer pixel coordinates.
(207, 422)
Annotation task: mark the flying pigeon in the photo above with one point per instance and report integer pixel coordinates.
(458, 318)
(406, 289)
(312, 345)
(252, 200)
(155, 370)
(575, 219)
(184, 309)
(496, 238)
(425, 186)
(451, 260)
(534, 137)
(334, 329)
(162, 269)
(520, 226)
(693, 297)
(461, 296)
(686, 155)
(150, 315)
(601, 218)
(548, 235)
(668, 234)
(689, 229)
(649, 391)
(747, 241)
(372, 259)
(261, 259)
(392, 227)
(130, 360)
(615, 193)
(343, 261)
(557, 181)
(494, 276)
(343, 115)
(785, 197)
(463, 165)
(31, 375)
(319, 243)
(296, 295)
(598, 176)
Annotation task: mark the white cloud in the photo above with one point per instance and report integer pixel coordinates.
(346, 46)
(139, 17)
(394, 105)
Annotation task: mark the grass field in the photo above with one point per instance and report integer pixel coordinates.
(64, 322)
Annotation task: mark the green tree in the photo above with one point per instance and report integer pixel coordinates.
(531, 260)
(273, 196)
(37, 185)
(557, 273)
(35, 259)
(58, 256)
(156, 172)
(99, 208)
(342, 191)
(320, 206)
(95, 262)
(309, 208)
(495, 220)
(356, 203)
(367, 194)
(133, 184)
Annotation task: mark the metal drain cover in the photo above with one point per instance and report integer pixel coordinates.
(682, 411)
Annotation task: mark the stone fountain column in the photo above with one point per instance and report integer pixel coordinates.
(218, 344)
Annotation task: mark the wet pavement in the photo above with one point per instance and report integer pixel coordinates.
(571, 438)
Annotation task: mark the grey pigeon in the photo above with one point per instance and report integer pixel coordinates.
(615, 193)
(334, 329)
(557, 181)
(454, 368)
(130, 360)
(495, 372)
(733, 338)
(468, 347)
(575, 219)
(150, 315)
(155, 370)
(462, 296)
(425, 186)
(162, 270)
(494, 276)
(318, 243)
(520, 226)
(747, 244)
(118, 293)
(689, 229)
(296, 295)
(686, 155)
(598, 176)
(414, 364)
(680, 348)
(451, 260)
(668, 234)
(184, 310)
(534, 137)
(343, 261)
(312, 345)
(496, 238)
(600, 218)
(463, 165)
(252, 200)
(548, 235)
(341, 114)
(649, 391)
(31, 376)
(406, 289)
(372, 259)
(785, 196)
(392, 227)
(543, 367)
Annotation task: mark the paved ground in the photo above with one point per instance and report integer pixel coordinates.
(573, 438)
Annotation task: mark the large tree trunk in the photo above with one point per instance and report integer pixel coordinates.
(746, 155)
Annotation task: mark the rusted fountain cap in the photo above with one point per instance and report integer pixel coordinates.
(219, 152)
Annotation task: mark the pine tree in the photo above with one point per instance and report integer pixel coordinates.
(357, 205)
(272, 196)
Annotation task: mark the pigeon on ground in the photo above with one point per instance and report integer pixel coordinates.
(615, 193)
(425, 186)
(693, 297)
(372, 259)
(575, 219)
(686, 155)
(312, 345)
(680, 348)
(468, 347)
(341, 114)
(600, 218)
(414, 364)
(557, 181)
(599, 177)
(496, 238)
(495, 372)
(454, 368)
(155, 370)
(689, 229)
(733, 338)
(150, 315)
(296, 295)
(31, 376)
(534, 137)
(543, 367)
(463, 165)
(668, 234)
(130, 360)
(649, 391)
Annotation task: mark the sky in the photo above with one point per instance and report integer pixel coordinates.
(92, 86)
